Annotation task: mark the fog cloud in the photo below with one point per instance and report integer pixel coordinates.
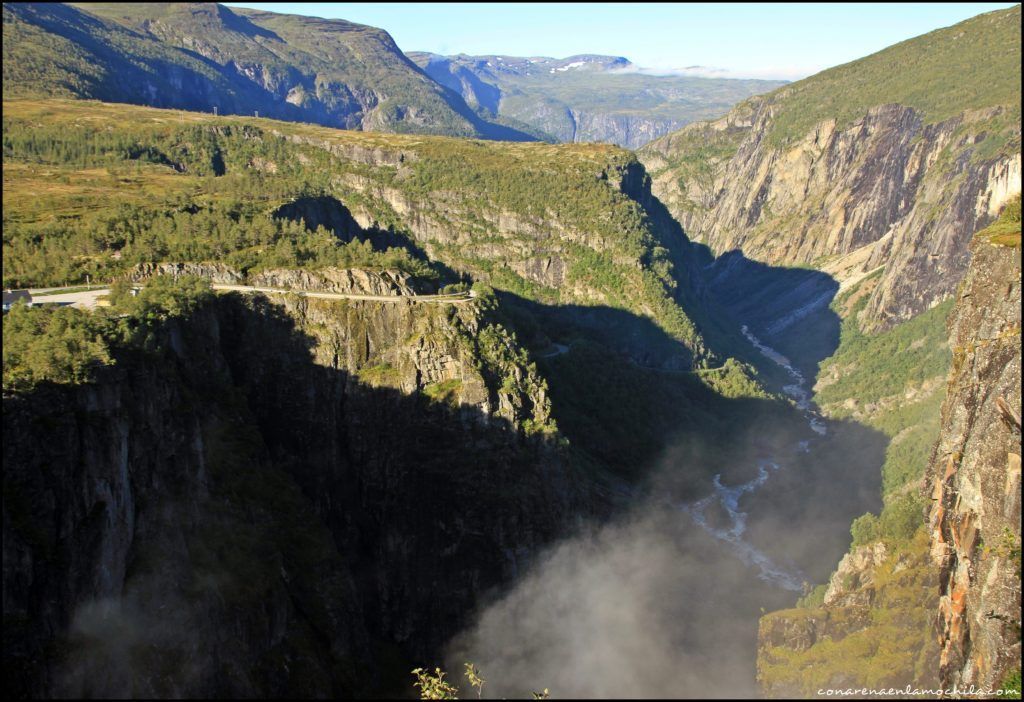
(665, 601)
(650, 607)
(788, 73)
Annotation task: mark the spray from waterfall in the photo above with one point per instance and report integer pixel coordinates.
(662, 603)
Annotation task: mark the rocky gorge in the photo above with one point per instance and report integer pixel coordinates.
(683, 382)
(847, 200)
(255, 502)
(884, 195)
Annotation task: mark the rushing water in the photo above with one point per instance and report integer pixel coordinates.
(727, 497)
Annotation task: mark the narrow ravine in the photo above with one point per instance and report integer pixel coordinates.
(727, 497)
(664, 602)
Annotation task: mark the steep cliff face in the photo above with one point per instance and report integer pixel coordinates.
(800, 177)
(975, 519)
(630, 131)
(569, 124)
(938, 608)
(269, 503)
(214, 272)
(347, 281)
(886, 191)
(152, 549)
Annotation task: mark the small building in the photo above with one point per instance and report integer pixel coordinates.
(13, 296)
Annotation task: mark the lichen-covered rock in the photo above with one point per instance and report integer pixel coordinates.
(851, 582)
(215, 272)
(975, 518)
(354, 281)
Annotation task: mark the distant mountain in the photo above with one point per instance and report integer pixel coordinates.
(586, 97)
(201, 56)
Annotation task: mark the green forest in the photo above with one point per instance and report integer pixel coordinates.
(67, 346)
(94, 194)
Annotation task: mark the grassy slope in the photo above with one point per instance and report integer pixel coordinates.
(611, 250)
(893, 646)
(1005, 231)
(60, 51)
(92, 188)
(894, 382)
(971, 65)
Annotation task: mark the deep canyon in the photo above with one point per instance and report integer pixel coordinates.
(733, 415)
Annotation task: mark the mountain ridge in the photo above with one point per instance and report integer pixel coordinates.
(205, 56)
(585, 97)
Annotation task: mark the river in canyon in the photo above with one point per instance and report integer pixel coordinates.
(665, 601)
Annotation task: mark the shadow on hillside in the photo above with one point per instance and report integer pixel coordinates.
(332, 214)
(431, 508)
(487, 96)
(619, 398)
(699, 639)
(485, 128)
(637, 424)
(323, 211)
(428, 504)
(243, 25)
(785, 308)
(683, 604)
(134, 69)
(637, 339)
(156, 82)
(423, 497)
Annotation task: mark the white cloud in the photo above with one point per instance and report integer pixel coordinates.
(762, 72)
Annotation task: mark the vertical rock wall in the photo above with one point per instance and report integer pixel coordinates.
(975, 517)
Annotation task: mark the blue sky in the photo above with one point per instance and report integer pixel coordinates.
(784, 40)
